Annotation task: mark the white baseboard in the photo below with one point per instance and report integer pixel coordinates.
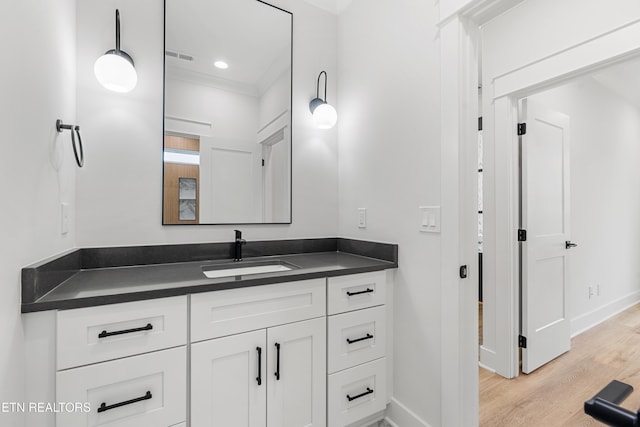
(588, 320)
(487, 358)
(399, 415)
(488, 368)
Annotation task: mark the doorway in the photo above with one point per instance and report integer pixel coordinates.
(538, 46)
(604, 198)
(599, 276)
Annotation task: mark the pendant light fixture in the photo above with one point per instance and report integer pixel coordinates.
(324, 115)
(115, 70)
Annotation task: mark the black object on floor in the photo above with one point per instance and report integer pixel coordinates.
(604, 406)
(615, 392)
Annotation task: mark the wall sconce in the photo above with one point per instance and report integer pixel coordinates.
(324, 115)
(115, 70)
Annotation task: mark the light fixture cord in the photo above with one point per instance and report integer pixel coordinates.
(117, 30)
(325, 85)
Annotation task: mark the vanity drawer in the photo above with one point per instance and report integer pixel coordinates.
(357, 393)
(346, 293)
(151, 390)
(95, 334)
(222, 313)
(356, 337)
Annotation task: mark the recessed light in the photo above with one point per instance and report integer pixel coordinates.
(221, 64)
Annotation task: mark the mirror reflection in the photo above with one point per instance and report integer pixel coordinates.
(227, 124)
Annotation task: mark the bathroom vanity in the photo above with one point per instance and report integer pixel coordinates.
(163, 344)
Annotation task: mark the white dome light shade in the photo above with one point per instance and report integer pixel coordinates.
(325, 116)
(116, 72)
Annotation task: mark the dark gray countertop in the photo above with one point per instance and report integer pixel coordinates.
(100, 286)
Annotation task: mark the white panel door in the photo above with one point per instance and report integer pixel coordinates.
(228, 381)
(545, 216)
(229, 183)
(296, 374)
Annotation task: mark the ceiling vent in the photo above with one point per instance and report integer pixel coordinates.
(178, 55)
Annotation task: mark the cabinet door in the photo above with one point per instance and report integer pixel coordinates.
(228, 381)
(296, 373)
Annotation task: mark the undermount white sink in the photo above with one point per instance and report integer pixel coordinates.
(228, 270)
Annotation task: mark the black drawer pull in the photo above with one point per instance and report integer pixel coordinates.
(367, 337)
(104, 407)
(105, 334)
(366, 291)
(369, 391)
(259, 378)
(277, 373)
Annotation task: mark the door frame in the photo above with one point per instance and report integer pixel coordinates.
(459, 25)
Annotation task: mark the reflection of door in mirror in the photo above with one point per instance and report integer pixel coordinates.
(276, 177)
(230, 177)
(181, 177)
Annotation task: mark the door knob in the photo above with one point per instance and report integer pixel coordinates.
(569, 244)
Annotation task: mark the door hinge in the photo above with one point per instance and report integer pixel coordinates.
(262, 162)
(522, 341)
(522, 128)
(522, 235)
(463, 271)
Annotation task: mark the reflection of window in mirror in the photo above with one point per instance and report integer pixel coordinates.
(240, 113)
(181, 176)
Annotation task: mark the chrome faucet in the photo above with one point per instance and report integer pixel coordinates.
(238, 246)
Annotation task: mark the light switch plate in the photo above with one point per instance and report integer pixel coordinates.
(64, 218)
(429, 219)
(362, 218)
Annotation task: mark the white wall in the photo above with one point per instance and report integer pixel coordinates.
(275, 99)
(605, 198)
(233, 115)
(388, 120)
(37, 83)
(119, 193)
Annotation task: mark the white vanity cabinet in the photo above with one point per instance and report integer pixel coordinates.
(278, 370)
(308, 353)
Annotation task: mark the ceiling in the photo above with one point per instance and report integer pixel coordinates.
(333, 6)
(253, 38)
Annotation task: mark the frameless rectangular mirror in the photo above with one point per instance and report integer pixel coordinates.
(227, 112)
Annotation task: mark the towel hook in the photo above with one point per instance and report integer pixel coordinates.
(77, 148)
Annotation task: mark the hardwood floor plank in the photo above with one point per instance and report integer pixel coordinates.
(554, 394)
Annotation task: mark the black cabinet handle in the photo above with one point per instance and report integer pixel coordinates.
(104, 407)
(369, 391)
(366, 291)
(105, 334)
(259, 378)
(569, 244)
(367, 337)
(277, 374)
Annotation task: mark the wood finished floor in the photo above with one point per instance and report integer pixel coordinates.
(554, 394)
